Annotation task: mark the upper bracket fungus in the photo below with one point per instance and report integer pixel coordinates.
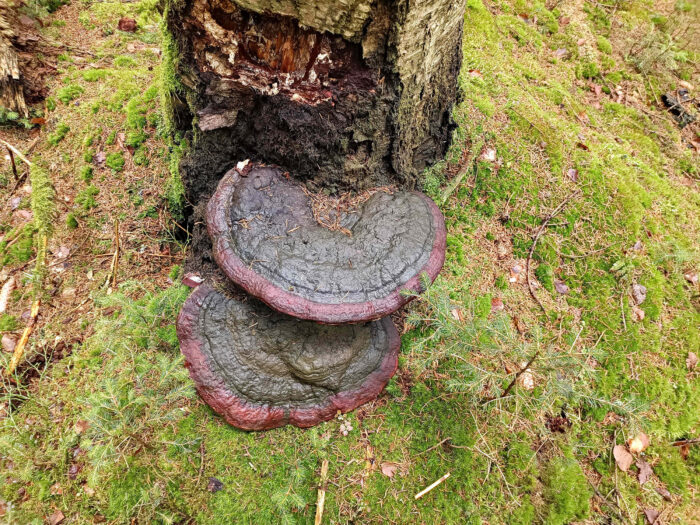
(266, 239)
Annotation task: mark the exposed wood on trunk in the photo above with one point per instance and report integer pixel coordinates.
(11, 91)
(346, 94)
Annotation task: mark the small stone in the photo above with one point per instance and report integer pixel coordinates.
(8, 343)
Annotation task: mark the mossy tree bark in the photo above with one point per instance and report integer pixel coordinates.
(345, 94)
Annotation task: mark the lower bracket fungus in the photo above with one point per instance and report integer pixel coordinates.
(261, 369)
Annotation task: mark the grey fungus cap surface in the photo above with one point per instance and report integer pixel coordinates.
(261, 369)
(265, 239)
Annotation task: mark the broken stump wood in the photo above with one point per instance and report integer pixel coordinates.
(337, 99)
(346, 94)
(260, 369)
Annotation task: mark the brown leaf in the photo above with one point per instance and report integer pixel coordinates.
(81, 426)
(572, 173)
(651, 515)
(475, 73)
(8, 343)
(564, 21)
(691, 277)
(457, 314)
(582, 146)
(127, 24)
(561, 53)
(56, 518)
(691, 361)
(639, 443)
(497, 304)
(637, 313)
(100, 159)
(38, 121)
(645, 471)
(639, 293)
(664, 493)
(56, 489)
(623, 458)
(560, 286)
(389, 468)
(520, 325)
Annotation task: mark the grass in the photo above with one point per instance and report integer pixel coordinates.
(114, 430)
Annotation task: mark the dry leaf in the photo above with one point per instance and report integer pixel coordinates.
(639, 293)
(526, 379)
(637, 313)
(639, 443)
(389, 468)
(520, 325)
(561, 53)
(488, 154)
(691, 361)
(81, 426)
(475, 73)
(572, 173)
(651, 515)
(564, 21)
(560, 286)
(457, 315)
(8, 343)
(497, 304)
(214, 485)
(645, 471)
(691, 277)
(664, 493)
(56, 518)
(502, 250)
(623, 458)
(56, 489)
(516, 274)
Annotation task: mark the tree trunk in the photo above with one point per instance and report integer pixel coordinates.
(345, 94)
(11, 91)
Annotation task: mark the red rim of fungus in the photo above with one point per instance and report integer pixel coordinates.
(219, 228)
(252, 416)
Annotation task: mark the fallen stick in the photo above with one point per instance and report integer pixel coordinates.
(16, 152)
(321, 500)
(431, 487)
(12, 161)
(112, 278)
(19, 349)
(549, 217)
(5, 293)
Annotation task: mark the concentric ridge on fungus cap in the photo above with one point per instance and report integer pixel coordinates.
(261, 369)
(265, 239)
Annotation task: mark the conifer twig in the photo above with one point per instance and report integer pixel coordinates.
(548, 218)
(431, 487)
(321, 500)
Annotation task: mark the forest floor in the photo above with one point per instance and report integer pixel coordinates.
(563, 142)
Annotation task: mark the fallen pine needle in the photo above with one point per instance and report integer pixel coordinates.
(431, 487)
(19, 349)
(321, 500)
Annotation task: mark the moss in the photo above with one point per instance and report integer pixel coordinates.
(8, 323)
(545, 275)
(69, 93)
(86, 198)
(566, 492)
(671, 469)
(115, 161)
(59, 134)
(86, 174)
(93, 75)
(135, 138)
(71, 221)
(123, 61)
(604, 45)
(42, 199)
(588, 70)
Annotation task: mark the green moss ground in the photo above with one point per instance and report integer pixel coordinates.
(115, 429)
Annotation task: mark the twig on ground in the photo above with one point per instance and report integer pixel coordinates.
(19, 349)
(321, 499)
(434, 446)
(683, 442)
(201, 463)
(431, 487)
(543, 226)
(16, 152)
(622, 311)
(112, 278)
(12, 161)
(605, 500)
(515, 379)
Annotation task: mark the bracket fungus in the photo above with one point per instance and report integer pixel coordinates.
(266, 239)
(261, 369)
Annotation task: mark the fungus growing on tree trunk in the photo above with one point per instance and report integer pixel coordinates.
(261, 369)
(325, 96)
(266, 239)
